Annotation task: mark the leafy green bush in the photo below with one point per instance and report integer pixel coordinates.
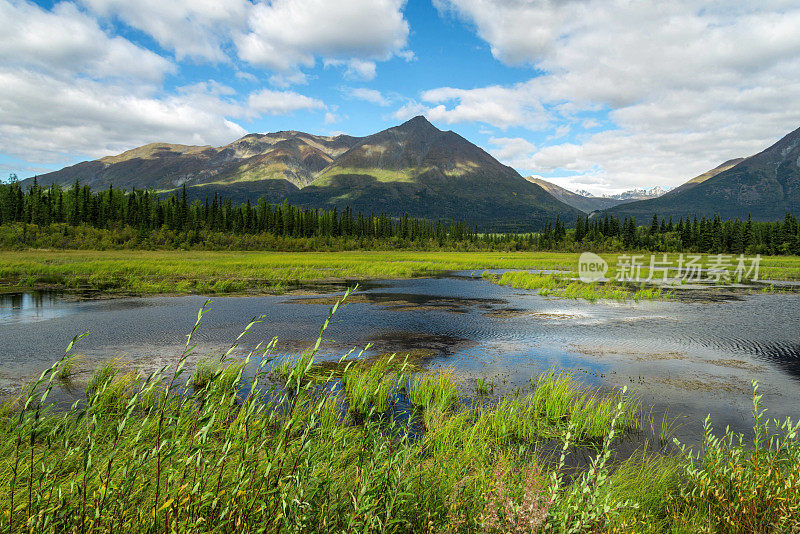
(748, 486)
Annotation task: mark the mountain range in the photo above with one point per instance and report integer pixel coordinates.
(763, 186)
(413, 168)
(417, 169)
(587, 202)
(638, 194)
(581, 200)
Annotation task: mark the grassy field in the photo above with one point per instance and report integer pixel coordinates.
(282, 451)
(239, 272)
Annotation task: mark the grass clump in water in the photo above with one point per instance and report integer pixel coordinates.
(205, 371)
(69, 368)
(483, 387)
(434, 392)
(373, 384)
(103, 375)
(557, 406)
(567, 287)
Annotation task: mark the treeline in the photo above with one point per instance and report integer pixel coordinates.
(706, 235)
(147, 211)
(54, 217)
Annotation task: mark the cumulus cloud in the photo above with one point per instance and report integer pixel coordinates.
(271, 102)
(510, 148)
(285, 34)
(65, 42)
(191, 28)
(410, 109)
(44, 119)
(687, 84)
(495, 105)
(67, 87)
(280, 35)
(358, 69)
(368, 95)
(288, 78)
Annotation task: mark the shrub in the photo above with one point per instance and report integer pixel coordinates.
(748, 486)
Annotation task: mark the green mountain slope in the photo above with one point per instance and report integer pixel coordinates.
(416, 168)
(763, 186)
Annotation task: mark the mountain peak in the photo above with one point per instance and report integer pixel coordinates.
(418, 123)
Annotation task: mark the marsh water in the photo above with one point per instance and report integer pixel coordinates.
(685, 358)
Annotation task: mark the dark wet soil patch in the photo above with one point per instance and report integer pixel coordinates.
(737, 364)
(510, 313)
(602, 352)
(707, 383)
(408, 302)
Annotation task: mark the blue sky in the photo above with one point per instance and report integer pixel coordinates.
(596, 95)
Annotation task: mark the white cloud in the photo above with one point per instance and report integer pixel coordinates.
(46, 119)
(191, 28)
(410, 109)
(280, 102)
(67, 88)
(561, 131)
(247, 76)
(279, 35)
(288, 78)
(331, 118)
(358, 69)
(510, 148)
(687, 84)
(65, 42)
(496, 105)
(286, 34)
(368, 95)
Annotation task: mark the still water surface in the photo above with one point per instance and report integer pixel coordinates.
(684, 358)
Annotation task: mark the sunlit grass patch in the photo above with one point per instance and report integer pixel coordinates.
(217, 272)
(436, 392)
(557, 404)
(372, 385)
(566, 286)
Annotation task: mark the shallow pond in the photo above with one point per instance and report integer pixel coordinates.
(684, 358)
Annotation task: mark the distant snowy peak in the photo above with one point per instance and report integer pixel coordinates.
(632, 194)
(640, 194)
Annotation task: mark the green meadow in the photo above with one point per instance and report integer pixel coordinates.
(264, 443)
(206, 272)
